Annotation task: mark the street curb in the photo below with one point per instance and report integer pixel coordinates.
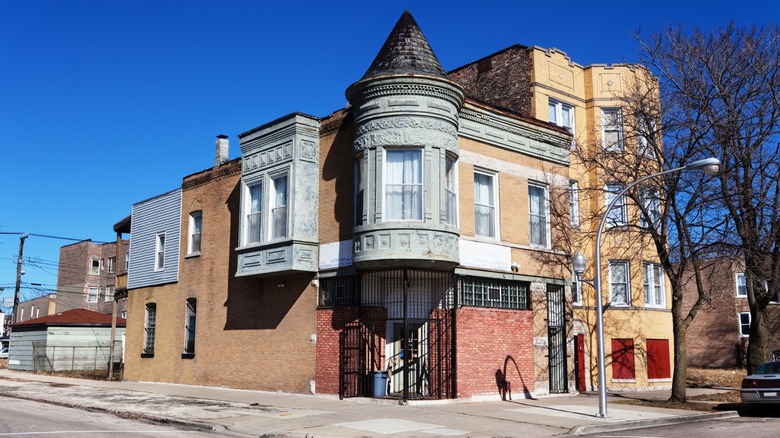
(641, 424)
(127, 415)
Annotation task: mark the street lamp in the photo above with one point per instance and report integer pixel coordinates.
(710, 167)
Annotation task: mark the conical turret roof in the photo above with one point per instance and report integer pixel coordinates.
(406, 51)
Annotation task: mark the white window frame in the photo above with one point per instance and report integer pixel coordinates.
(653, 282)
(493, 176)
(611, 191)
(195, 233)
(613, 264)
(574, 203)
(109, 294)
(95, 267)
(576, 290)
(610, 123)
(742, 333)
(556, 110)
(647, 128)
(545, 216)
(92, 294)
(111, 265)
(275, 231)
(651, 203)
(405, 214)
(740, 285)
(159, 252)
(450, 185)
(253, 214)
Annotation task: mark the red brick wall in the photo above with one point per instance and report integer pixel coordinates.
(493, 342)
(330, 321)
(502, 79)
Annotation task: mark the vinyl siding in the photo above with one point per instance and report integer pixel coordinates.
(161, 214)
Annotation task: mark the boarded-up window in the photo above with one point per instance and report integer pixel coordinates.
(658, 366)
(623, 359)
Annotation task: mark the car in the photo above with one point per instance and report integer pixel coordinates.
(4, 353)
(763, 386)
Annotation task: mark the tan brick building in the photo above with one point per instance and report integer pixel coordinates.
(409, 234)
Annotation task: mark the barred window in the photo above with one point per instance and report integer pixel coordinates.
(337, 291)
(488, 292)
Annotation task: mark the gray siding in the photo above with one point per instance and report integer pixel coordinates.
(161, 214)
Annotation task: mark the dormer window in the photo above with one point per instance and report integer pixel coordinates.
(403, 185)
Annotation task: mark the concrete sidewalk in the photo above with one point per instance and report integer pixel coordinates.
(257, 413)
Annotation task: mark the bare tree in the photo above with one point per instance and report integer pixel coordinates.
(719, 93)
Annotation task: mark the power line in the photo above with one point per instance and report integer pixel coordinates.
(72, 239)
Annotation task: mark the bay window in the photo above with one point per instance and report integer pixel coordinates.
(403, 184)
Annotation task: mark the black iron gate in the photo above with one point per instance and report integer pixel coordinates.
(358, 353)
(556, 337)
(406, 331)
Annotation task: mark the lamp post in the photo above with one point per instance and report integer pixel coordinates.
(710, 167)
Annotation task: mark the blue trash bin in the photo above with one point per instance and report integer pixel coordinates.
(380, 384)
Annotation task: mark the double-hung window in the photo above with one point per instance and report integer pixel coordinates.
(403, 184)
(450, 192)
(109, 294)
(653, 280)
(741, 285)
(95, 267)
(92, 294)
(744, 324)
(574, 203)
(539, 216)
(646, 133)
(359, 191)
(196, 225)
(616, 216)
(159, 251)
(561, 114)
(485, 204)
(111, 265)
(612, 129)
(651, 204)
(620, 293)
(254, 214)
(279, 207)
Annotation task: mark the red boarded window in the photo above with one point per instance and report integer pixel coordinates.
(658, 363)
(623, 359)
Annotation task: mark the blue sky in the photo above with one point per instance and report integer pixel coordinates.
(107, 103)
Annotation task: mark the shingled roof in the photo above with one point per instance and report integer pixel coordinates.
(73, 317)
(406, 51)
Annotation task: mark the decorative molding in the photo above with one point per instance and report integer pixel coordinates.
(395, 131)
(371, 92)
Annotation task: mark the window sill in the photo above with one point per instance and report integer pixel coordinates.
(145, 355)
(192, 255)
(660, 380)
(624, 380)
(188, 355)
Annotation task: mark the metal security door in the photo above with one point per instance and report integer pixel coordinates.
(556, 336)
(356, 358)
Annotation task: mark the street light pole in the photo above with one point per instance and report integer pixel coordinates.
(710, 166)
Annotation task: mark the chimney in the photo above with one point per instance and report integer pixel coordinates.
(221, 150)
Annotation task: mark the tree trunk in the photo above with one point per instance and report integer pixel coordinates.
(680, 373)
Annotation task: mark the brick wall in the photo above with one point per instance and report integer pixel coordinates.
(494, 343)
(502, 79)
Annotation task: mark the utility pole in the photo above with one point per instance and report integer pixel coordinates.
(18, 277)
